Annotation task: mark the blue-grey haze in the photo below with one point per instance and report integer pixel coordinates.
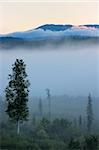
(72, 70)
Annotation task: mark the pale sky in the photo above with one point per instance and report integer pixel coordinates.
(20, 16)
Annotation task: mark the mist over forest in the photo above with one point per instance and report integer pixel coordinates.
(63, 100)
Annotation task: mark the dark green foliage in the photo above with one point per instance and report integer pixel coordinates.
(44, 124)
(17, 92)
(57, 129)
(74, 144)
(91, 143)
(45, 137)
(18, 143)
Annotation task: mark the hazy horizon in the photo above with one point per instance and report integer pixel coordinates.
(71, 70)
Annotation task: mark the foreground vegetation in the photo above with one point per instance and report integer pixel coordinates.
(19, 131)
(59, 134)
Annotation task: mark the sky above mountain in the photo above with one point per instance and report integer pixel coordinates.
(20, 16)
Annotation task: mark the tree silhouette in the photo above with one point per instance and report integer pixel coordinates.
(17, 93)
(80, 121)
(49, 102)
(89, 114)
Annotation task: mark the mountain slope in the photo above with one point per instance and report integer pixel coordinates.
(51, 34)
(53, 27)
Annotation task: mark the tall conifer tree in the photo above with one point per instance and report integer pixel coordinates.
(89, 114)
(17, 93)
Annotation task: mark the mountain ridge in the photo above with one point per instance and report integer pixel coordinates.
(55, 27)
(51, 34)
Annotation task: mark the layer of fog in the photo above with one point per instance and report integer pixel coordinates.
(68, 70)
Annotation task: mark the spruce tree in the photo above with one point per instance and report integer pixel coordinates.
(17, 93)
(89, 114)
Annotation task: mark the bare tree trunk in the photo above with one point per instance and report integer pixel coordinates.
(18, 127)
